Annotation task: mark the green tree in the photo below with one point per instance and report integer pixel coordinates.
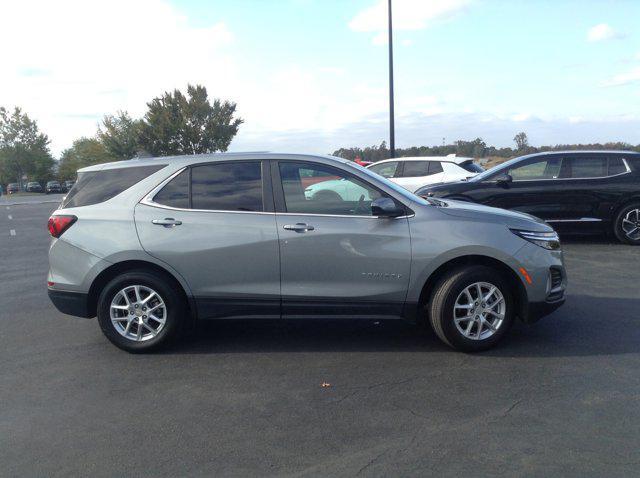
(475, 149)
(24, 150)
(83, 152)
(521, 140)
(177, 124)
(119, 134)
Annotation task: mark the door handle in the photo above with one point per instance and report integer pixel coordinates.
(298, 227)
(166, 222)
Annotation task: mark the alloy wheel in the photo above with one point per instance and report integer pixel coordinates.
(479, 311)
(138, 313)
(631, 224)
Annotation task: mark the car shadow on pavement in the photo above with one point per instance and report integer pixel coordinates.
(584, 326)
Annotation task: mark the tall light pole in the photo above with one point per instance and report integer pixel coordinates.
(392, 129)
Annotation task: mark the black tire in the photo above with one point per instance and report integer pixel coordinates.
(443, 298)
(618, 225)
(175, 305)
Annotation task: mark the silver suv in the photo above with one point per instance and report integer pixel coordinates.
(149, 245)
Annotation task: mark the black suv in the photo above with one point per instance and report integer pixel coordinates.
(53, 187)
(34, 187)
(575, 191)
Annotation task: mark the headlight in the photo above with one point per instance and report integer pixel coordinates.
(548, 240)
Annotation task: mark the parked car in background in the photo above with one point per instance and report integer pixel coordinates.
(67, 185)
(34, 187)
(576, 191)
(53, 187)
(413, 173)
(13, 188)
(148, 245)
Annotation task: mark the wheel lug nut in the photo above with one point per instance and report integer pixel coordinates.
(144, 316)
(136, 306)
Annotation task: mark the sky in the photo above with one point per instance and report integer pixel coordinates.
(312, 75)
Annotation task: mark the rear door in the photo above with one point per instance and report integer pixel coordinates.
(214, 223)
(336, 258)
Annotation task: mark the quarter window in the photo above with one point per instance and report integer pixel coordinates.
(233, 186)
(386, 170)
(616, 166)
(338, 194)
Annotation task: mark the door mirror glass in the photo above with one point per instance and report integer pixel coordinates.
(504, 179)
(385, 207)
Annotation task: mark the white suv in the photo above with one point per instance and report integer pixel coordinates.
(413, 173)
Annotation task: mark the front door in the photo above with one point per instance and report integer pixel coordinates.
(214, 224)
(336, 258)
(535, 189)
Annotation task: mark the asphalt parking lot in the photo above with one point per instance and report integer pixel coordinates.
(320, 398)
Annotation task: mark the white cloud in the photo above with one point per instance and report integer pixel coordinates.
(632, 76)
(602, 32)
(521, 117)
(83, 59)
(407, 15)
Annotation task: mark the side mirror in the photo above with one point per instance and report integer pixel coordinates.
(504, 179)
(386, 207)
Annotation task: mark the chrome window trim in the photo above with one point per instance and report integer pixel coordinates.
(147, 200)
(624, 161)
(582, 219)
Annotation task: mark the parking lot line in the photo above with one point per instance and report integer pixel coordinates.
(12, 232)
(10, 216)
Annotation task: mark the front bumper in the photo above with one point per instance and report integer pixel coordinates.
(70, 303)
(537, 310)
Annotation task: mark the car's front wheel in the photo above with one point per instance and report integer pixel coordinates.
(471, 308)
(627, 224)
(140, 312)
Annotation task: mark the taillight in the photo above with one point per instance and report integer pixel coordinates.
(58, 224)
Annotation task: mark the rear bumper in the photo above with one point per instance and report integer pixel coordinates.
(70, 303)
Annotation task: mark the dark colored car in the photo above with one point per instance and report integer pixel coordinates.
(13, 188)
(575, 191)
(67, 185)
(34, 187)
(53, 187)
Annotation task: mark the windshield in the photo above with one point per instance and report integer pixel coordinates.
(471, 166)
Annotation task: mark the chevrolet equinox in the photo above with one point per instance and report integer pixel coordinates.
(148, 245)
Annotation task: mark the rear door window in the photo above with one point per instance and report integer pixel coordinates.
(583, 167)
(233, 186)
(98, 186)
(176, 192)
(414, 169)
(435, 167)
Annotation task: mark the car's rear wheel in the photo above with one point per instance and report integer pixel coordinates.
(471, 308)
(140, 312)
(627, 224)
